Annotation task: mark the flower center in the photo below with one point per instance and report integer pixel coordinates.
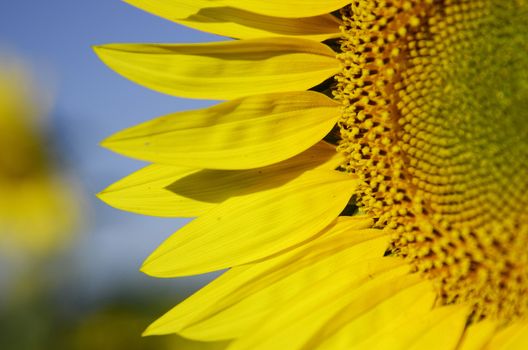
(435, 125)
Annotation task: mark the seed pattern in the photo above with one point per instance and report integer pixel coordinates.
(435, 94)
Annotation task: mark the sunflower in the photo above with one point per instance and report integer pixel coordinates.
(365, 184)
(36, 209)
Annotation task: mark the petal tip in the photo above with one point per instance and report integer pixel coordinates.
(148, 331)
(144, 268)
(108, 142)
(98, 49)
(149, 269)
(156, 328)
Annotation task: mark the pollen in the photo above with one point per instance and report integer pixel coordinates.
(435, 125)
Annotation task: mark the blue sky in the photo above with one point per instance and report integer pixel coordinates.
(92, 102)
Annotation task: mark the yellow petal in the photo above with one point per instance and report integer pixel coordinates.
(439, 328)
(296, 324)
(251, 227)
(444, 332)
(147, 192)
(170, 191)
(282, 8)
(357, 323)
(245, 133)
(224, 70)
(240, 298)
(514, 337)
(241, 24)
(478, 335)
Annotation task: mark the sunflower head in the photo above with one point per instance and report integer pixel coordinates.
(424, 103)
(435, 97)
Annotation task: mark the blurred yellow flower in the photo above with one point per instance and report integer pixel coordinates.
(36, 211)
(411, 235)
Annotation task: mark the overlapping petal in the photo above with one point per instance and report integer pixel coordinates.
(298, 325)
(224, 70)
(247, 228)
(241, 24)
(172, 191)
(361, 324)
(237, 301)
(477, 335)
(439, 329)
(275, 8)
(245, 133)
(513, 337)
(281, 8)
